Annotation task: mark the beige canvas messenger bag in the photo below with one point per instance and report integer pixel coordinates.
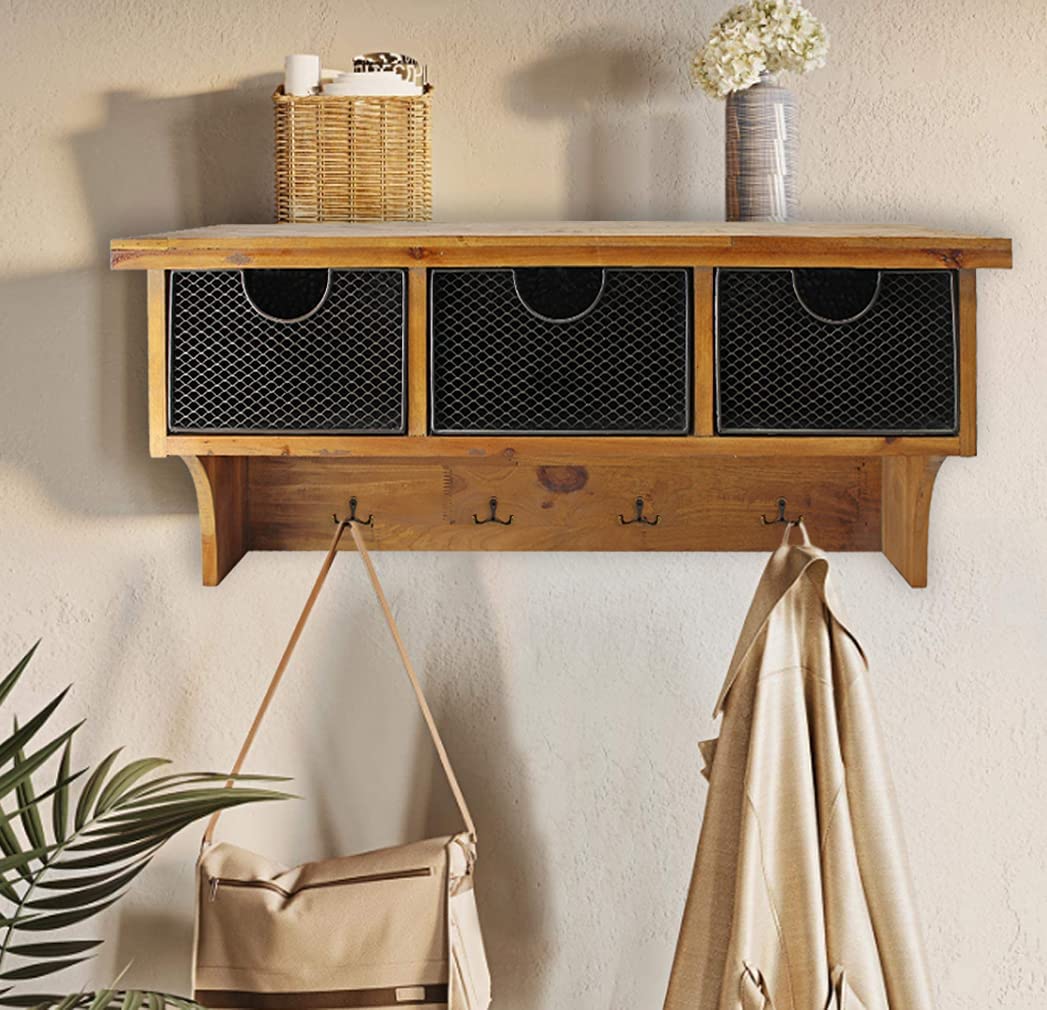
(387, 929)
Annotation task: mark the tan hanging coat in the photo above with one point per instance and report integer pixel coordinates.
(800, 897)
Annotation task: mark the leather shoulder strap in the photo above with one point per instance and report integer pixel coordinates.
(285, 659)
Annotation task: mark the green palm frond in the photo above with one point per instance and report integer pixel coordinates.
(60, 867)
(106, 999)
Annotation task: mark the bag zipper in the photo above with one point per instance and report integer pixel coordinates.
(269, 885)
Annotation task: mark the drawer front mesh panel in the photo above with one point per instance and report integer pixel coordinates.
(782, 367)
(619, 363)
(341, 368)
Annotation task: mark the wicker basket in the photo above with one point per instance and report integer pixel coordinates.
(353, 158)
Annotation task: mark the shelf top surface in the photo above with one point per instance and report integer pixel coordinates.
(413, 243)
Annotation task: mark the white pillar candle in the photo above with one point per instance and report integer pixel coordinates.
(301, 74)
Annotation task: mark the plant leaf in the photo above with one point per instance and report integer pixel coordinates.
(13, 861)
(30, 814)
(131, 810)
(88, 895)
(55, 948)
(8, 891)
(10, 780)
(9, 843)
(91, 790)
(38, 969)
(13, 920)
(12, 678)
(197, 805)
(109, 857)
(35, 999)
(125, 779)
(102, 998)
(103, 837)
(190, 778)
(48, 793)
(60, 803)
(20, 737)
(70, 1001)
(60, 920)
(66, 882)
(128, 833)
(10, 846)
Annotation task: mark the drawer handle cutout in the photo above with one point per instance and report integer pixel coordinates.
(286, 296)
(559, 294)
(837, 296)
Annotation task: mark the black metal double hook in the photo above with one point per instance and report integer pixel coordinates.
(353, 517)
(493, 518)
(780, 518)
(640, 517)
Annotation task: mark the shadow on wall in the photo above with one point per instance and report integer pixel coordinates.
(355, 780)
(159, 966)
(469, 700)
(75, 419)
(633, 137)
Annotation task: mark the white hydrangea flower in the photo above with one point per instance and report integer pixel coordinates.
(760, 36)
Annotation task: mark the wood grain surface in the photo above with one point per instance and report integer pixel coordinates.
(710, 505)
(562, 243)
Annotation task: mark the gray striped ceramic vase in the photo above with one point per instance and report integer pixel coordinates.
(761, 152)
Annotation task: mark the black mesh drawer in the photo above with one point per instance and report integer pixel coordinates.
(836, 352)
(560, 350)
(287, 351)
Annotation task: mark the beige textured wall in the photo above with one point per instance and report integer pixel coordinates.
(572, 688)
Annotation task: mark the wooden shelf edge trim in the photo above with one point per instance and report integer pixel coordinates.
(692, 242)
(374, 254)
(546, 449)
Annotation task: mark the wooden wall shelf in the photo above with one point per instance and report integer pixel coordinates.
(277, 492)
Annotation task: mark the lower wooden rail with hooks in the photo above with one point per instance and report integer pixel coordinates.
(714, 504)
